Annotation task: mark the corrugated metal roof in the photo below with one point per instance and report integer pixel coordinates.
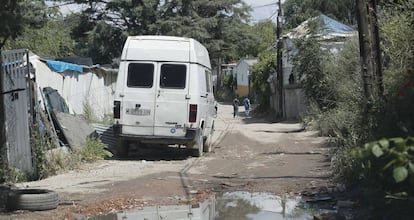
(106, 135)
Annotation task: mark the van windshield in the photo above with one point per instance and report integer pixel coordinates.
(173, 76)
(140, 75)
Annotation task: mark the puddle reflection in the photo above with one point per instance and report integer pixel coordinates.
(227, 206)
(259, 206)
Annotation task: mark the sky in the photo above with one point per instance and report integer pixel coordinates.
(262, 9)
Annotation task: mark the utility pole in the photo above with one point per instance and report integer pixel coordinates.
(3, 150)
(376, 47)
(365, 52)
(279, 68)
(219, 72)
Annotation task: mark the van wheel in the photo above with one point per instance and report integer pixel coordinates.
(198, 148)
(207, 143)
(122, 148)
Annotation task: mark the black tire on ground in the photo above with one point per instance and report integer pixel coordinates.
(32, 199)
(208, 141)
(207, 144)
(122, 148)
(197, 150)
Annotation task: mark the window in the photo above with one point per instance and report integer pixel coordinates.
(208, 81)
(140, 75)
(173, 76)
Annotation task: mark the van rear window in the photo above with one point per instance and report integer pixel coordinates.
(173, 76)
(140, 75)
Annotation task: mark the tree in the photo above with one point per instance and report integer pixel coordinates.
(266, 65)
(297, 11)
(52, 40)
(219, 25)
(308, 65)
(16, 15)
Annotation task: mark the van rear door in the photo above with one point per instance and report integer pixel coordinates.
(138, 98)
(171, 106)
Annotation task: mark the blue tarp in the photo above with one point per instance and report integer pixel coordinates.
(331, 26)
(327, 28)
(60, 67)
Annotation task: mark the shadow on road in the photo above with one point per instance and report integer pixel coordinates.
(154, 152)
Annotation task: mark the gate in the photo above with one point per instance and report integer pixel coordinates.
(15, 76)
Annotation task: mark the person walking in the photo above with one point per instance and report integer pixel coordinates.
(235, 107)
(246, 103)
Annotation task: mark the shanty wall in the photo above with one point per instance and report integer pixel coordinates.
(94, 87)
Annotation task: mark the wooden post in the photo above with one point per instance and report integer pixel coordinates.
(3, 147)
(376, 47)
(280, 112)
(365, 52)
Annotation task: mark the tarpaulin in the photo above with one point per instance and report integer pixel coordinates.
(60, 67)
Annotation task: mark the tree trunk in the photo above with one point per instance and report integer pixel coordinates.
(365, 52)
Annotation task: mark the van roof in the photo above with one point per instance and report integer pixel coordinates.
(165, 49)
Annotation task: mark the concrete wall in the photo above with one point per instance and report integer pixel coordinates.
(295, 102)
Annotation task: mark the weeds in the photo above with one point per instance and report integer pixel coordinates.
(88, 112)
(93, 151)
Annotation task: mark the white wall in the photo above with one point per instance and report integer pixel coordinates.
(95, 88)
(242, 73)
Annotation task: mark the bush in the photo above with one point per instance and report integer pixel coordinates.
(93, 151)
(387, 171)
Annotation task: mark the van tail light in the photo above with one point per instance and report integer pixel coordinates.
(193, 113)
(117, 109)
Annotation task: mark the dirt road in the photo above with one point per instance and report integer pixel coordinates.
(249, 154)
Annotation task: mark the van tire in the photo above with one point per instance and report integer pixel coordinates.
(122, 148)
(207, 144)
(32, 200)
(208, 141)
(198, 147)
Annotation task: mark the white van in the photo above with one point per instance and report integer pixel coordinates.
(164, 94)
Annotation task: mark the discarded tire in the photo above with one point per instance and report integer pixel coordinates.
(32, 199)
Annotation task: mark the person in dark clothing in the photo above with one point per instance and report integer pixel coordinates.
(235, 107)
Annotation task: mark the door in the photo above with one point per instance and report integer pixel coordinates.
(138, 98)
(171, 107)
(211, 111)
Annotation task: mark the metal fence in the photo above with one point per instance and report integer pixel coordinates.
(15, 76)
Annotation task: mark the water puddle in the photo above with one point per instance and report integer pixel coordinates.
(259, 206)
(201, 211)
(227, 206)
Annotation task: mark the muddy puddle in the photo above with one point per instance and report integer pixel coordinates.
(227, 206)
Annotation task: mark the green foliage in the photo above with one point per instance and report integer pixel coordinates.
(18, 15)
(387, 170)
(50, 159)
(308, 66)
(220, 25)
(42, 144)
(261, 72)
(297, 11)
(229, 81)
(266, 65)
(52, 40)
(93, 151)
(389, 161)
(88, 112)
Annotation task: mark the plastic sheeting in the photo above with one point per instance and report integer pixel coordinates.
(60, 66)
(328, 29)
